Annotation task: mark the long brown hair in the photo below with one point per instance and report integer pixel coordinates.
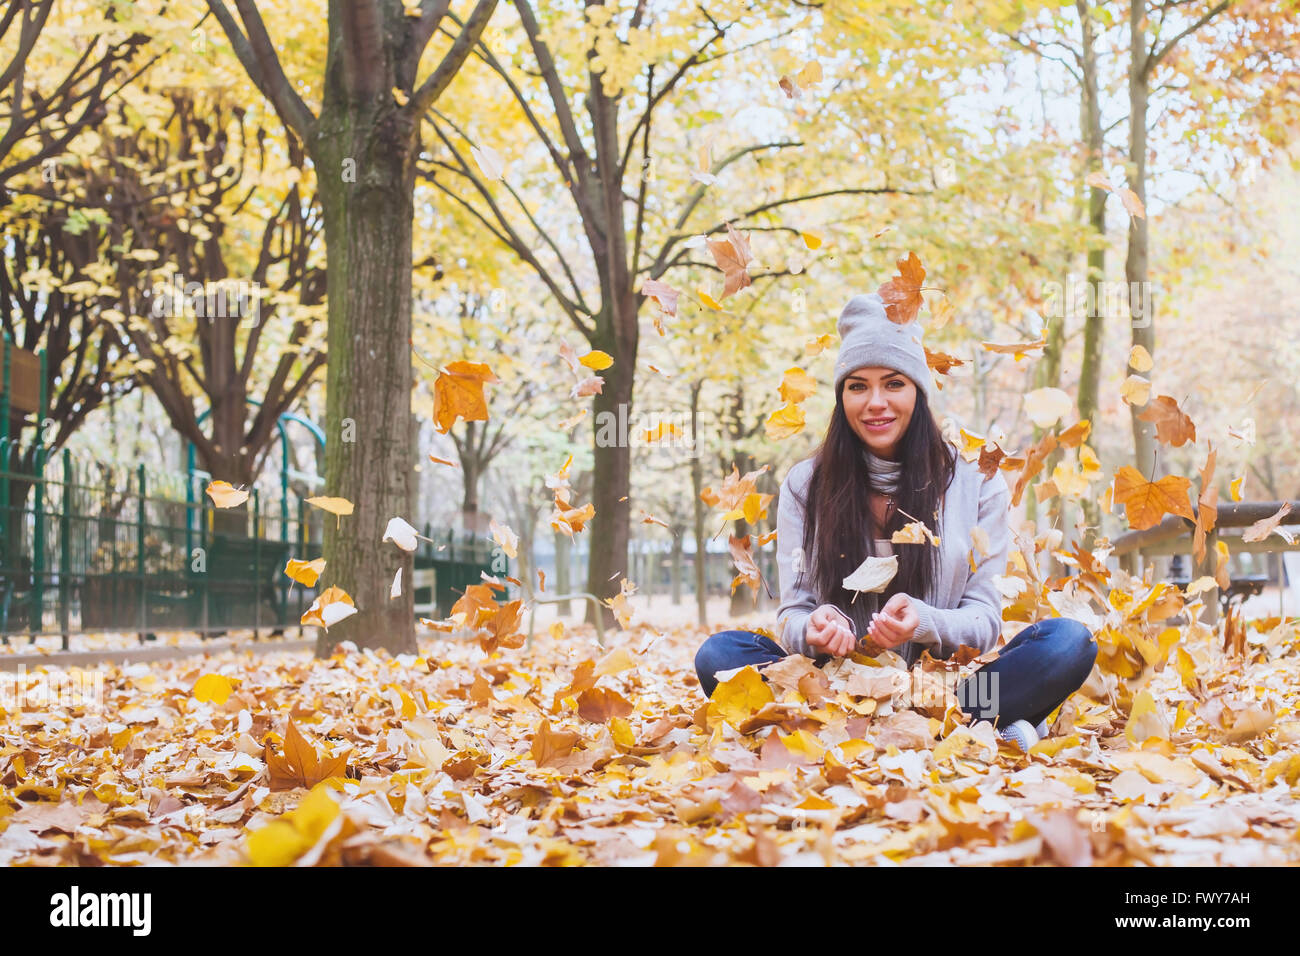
(838, 504)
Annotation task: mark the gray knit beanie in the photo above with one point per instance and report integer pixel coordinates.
(868, 338)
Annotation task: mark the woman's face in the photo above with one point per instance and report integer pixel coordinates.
(879, 395)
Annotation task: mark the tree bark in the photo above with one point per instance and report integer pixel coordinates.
(369, 456)
(697, 486)
(1135, 264)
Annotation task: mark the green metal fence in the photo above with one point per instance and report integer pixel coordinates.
(88, 547)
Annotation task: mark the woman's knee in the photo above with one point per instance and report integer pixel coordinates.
(716, 652)
(1075, 645)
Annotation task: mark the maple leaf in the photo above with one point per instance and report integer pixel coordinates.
(941, 362)
(551, 746)
(1147, 502)
(732, 256)
(1173, 427)
(300, 765)
(990, 460)
(785, 421)
(458, 393)
(502, 627)
(664, 295)
(796, 385)
(598, 705)
(902, 294)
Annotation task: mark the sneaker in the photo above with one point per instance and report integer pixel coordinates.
(1022, 732)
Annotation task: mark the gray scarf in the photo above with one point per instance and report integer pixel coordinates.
(885, 474)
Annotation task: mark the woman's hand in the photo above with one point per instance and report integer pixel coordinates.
(826, 630)
(895, 623)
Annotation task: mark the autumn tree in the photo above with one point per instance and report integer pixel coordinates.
(363, 140)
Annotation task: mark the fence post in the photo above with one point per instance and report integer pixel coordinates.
(65, 546)
(38, 540)
(139, 552)
(257, 561)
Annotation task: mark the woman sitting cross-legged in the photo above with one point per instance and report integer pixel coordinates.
(882, 463)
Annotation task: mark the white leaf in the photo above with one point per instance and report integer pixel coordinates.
(331, 614)
(489, 161)
(396, 589)
(873, 574)
(400, 533)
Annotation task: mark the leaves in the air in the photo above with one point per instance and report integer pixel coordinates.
(400, 532)
(225, 495)
(1147, 502)
(1173, 427)
(902, 294)
(331, 606)
(873, 574)
(306, 573)
(458, 393)
(1262, 528)
(732, 256)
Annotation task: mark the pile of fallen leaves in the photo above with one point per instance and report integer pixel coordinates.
(1183, 748)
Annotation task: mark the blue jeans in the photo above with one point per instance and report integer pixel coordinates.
(1035, 672)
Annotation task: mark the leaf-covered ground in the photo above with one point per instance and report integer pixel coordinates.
(567, 753)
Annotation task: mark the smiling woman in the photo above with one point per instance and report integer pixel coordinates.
(882, 464)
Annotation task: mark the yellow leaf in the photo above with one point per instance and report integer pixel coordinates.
(335, 506)
(1185, 667)
(1235, 487)
(619, 659)
(709, 300)
(305, 573)
(282, 841)
(458, 393)
(1145, 720)
(740, 697)
(818, 345)
(621, 731)
(215, 688)
(399, 95)
(503, 536)
(225, 495)
(1139, 359)
(597, 360)
(810, 240)
(796, 385)
(785, 421)
(331, 606)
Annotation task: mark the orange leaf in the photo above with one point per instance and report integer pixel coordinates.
(1147, 502)
(458, 393)
(902, 293)
(1172, 426)
(300, 765)
(599, 704)
(551, 746)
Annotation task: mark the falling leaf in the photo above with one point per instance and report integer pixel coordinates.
(212, 688)
(442, 461)
(401, 534)
(1139, 359)
(1147, 502)
(1135, 390)
(503, 536)
(400, 96)
(818, 345)
(489, 162)
(914, 532)
(732, 257)
(541, 580)
(395, 590)
(331, 606)
(743, 556)
(335, 506)
(664, 295)
(1172, 426)
(1265, 526)
(1207, 512)
(786, 421)
(941, 313)
(810, 240)
(568, 423)
(592, 385)
(1017, 349)
(1234, 487)
(458, 393)
(224, 495)
(873, 574)
(306, 573)
(796, 385)
(1047, 406)
(596, 359)
(902, 294)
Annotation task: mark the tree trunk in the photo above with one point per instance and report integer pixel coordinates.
(1094, 324)
(563, 578)
(370, 454)
(1135, 265)
(611, 483)
(675, 572)
(697, 486)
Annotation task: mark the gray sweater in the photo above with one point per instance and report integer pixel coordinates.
(961, 608)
